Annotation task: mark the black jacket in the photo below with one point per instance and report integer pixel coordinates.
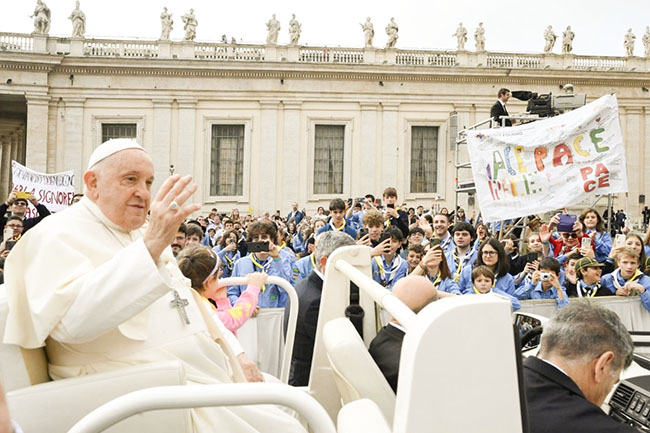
(385, 349)
(499, 110)
(556, 404)
(28, 223)
(309, 293)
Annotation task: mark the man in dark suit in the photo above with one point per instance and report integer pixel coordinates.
(584, 348)
(309, 293)
(499, 107)
(416, 292)
(295, 215)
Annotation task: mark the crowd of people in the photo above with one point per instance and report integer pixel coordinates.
(562, 258)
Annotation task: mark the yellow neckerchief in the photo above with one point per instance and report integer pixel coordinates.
(313, 260)
(229, 260)
(459, 264)
(617, 273)
(479, 293)
(338, 228)
(593, 290)
(208, 301)
(436, 281)
(387, 222)
(260, 266)
(494, 283)
(393, 268)
(281, 247)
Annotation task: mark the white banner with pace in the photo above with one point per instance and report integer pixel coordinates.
(55, 191)
(549, 164)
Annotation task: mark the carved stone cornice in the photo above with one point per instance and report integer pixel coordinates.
(359, 73)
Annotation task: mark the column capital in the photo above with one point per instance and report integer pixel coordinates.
(292, 105)
(74, 102)
(162, 102)
(187, 103)
(37, 98)
(269, 105)
(369, 106)
(390, 106)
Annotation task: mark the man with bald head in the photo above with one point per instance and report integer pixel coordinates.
(416, 292)
(101, 293)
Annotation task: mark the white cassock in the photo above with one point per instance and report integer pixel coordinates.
(91, 293)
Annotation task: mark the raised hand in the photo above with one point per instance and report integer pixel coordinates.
(168, 212)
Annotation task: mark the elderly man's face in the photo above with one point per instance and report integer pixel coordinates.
(122, 188)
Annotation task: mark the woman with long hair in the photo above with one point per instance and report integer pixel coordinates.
(434, 266)
(492, 255)
(594, 227)
(228, 252)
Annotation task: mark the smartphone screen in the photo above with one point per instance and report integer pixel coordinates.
(620, 240)
(257, 247)
(8, 233)
(390, 205)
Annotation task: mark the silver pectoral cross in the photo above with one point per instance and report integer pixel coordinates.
(180, 304)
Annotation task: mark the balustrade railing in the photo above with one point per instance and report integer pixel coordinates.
(16, 42)
(19, 42)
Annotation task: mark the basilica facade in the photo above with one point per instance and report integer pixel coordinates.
(261, 126)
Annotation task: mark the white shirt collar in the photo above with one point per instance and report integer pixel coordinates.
(550, 363)
(400, 327)
(320, 274)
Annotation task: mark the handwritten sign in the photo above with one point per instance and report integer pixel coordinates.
(55, 191)
(549, 164)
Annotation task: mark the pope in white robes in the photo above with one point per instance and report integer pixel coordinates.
(101, 294)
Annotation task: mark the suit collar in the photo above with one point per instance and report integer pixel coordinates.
(552, 373)
(315, 280)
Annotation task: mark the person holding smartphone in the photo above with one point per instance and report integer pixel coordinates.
(594, 227)
(395, 216)
(434, 266)
(17, 203)
(263, 256)
(389, 267)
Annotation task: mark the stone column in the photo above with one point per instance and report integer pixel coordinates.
(52, 135)
(264, 177)
(36, 146)
(5, 167)
(20, 139)
(363, 178)
(634, 155)
(291, 188)
(13, 140)
(184, 163)
(389, 151)
(73, 158)
(161, 149)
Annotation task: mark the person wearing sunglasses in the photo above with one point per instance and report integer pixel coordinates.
(568, 242)
(18, 207)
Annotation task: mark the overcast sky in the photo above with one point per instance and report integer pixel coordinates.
(511, 26)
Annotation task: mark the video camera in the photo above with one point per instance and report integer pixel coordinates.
(548, 104)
